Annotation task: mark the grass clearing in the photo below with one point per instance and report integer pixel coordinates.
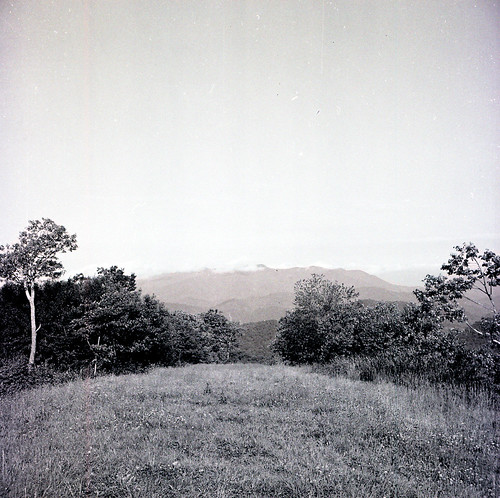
(246, 430)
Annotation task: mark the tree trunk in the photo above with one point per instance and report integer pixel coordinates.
(30, 294)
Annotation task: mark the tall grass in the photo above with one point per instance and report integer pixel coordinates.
(246, 430)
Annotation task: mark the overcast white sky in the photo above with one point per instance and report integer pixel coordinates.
(176, 135)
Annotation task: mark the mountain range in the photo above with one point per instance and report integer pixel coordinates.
(262, 294)
(267, 293)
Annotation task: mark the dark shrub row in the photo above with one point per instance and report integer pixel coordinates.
(104, 324)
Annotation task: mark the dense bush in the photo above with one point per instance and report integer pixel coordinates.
(219, 337)
(205, 338)
(104, 324)
(14, 322)
(347, 329)
(299, 338)
(379, 340)
(120, 327)
(15, 376)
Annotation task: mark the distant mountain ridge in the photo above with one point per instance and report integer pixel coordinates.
(257, 295)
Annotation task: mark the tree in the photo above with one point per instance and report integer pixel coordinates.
(111, 319)
(219, 336)
(299, 338)
(120, 329)
(317, 295)
(187, 338)
(57, 305)
(327, 326)
(320, 324)
(33, 260)
(467, 270)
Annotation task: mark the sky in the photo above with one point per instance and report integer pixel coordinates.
(180, 135)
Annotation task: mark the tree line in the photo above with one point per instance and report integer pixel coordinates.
(103, 323)
(106, 323)
(104, 319)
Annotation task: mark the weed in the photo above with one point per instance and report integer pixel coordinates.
(222, 397)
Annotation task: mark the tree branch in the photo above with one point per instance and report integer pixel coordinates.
(480, 290)
(474, 329)
(485, 285)
(495, 341)
(478, 304)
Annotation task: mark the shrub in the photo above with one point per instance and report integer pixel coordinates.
(15, 376)
(104, 322)
(367, 342)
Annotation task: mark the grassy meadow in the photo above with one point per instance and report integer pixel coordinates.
(246, 430)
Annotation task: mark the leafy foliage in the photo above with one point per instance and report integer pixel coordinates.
(219, 337)
(34, 259)
(328, 325)
(104, 324)
(466, 270)
(317, 295)
(320, 323)
(14, 321)
(115, 326)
